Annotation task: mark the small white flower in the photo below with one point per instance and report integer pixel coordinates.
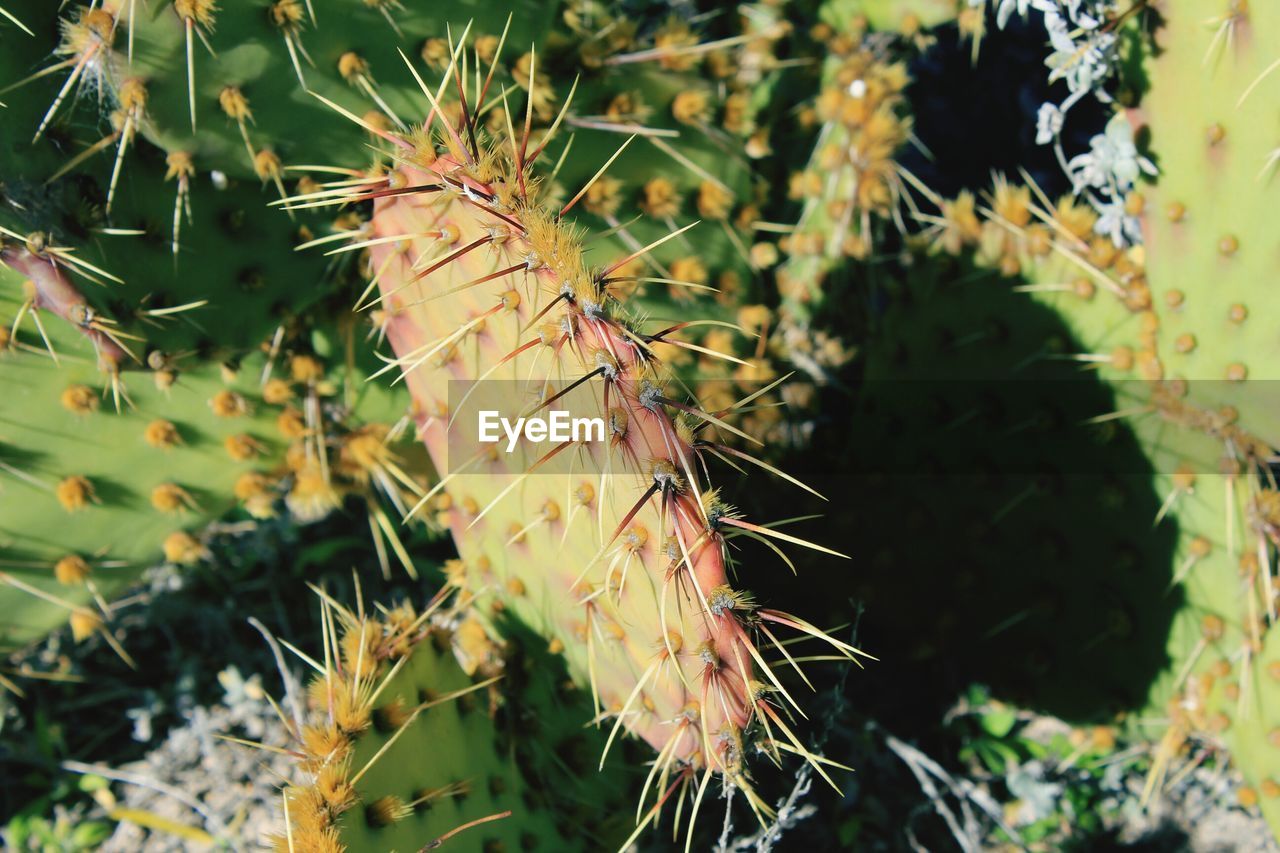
(1115, 222)
(1128, 164)
(1059, 29)
(1006, 9)
(1088, 169)
(1112, 160)
(1049, 121)
(1083, 65)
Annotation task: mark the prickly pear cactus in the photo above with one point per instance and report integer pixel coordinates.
(850, 190)
(106, 471)
(177, 290)
(1210, 259)
(1172, 327)
(153, 370)
(619, 556)
(398, 749)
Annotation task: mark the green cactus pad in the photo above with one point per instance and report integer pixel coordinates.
(1212, 248)
(548, 551)
(161, 450)
(401, 747)
(44, 442)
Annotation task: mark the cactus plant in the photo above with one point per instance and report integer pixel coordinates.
(189, 284)
(188, 310)
(92, 494)
(1175, 336)
(118, 46)
(1209, 257)
(100, 360)
(396, 749)
(620, 559)
(851, 186)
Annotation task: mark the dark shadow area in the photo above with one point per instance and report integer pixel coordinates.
(995, 538)
(1019, 550)
(560, 756)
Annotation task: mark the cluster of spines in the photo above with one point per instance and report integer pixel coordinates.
(849, 190)
(354, 691)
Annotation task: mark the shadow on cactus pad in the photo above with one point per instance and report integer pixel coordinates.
(994, 539)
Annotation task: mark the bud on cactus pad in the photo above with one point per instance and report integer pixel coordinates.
(623, 561)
